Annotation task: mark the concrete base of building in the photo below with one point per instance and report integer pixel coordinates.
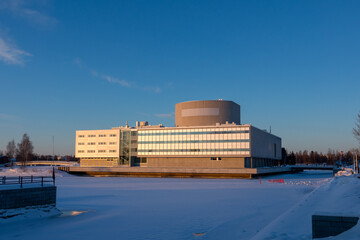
(176, 172)
(196, 162)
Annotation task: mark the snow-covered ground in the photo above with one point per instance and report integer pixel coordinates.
(173, 208)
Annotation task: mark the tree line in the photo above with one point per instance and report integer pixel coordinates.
(332, 157)
(23, 151)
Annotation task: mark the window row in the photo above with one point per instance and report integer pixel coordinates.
(195, 141)
(143, 133)
(100, 135)
(99, 143)
(195, 150)
(93, 151)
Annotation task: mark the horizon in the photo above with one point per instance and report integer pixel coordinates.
(67, 66)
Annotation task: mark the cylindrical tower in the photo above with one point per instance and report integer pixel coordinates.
(206, 113)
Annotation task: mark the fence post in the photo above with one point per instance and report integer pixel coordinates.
(53, 176)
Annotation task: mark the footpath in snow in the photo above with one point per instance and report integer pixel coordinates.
(341, 196)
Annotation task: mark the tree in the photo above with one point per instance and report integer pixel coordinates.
(11, 149)
(356, 129)
(25, 149)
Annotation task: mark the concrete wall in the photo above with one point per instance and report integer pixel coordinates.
(23, 197)
(326, 226)
(206, 113)
(195, 162)
(263, 144)
(100, 162)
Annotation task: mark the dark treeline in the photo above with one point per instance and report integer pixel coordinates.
(332, 157)
(40, 157)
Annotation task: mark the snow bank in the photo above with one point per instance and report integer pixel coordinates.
(339, 196)
(30, 171)
(345, 172)
(28, 213)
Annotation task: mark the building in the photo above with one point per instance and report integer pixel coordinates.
(106, 148)
(206, 113)
(207, 134)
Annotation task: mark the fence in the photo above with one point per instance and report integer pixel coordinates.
(27, 180)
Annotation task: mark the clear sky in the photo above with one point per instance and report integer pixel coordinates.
(73, 65)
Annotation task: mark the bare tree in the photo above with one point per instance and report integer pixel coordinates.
(11, 149)
(25, 149)
(356, 129)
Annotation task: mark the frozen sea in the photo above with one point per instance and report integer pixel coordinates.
(164, 208)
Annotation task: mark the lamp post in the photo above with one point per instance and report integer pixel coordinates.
(53, 170)
(53, 151)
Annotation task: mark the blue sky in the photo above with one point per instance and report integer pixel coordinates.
(72, 65)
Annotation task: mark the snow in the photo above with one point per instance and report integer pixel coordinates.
(32, 213)
(175, 208)
(345, 172)
(338, 197)
(30, 171)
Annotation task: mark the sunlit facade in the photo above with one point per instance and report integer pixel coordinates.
(213, 143)
(224, 141)
(107, 148)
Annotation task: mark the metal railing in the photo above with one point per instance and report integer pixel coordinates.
(27, 180)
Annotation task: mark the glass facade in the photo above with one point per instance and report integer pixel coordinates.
(125, 147)
(197, 141)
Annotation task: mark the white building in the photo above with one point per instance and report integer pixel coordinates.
(218, 145)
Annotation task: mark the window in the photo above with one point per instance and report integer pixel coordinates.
(213, 158)
(91, 135)
(102, 135)
(101, 151)
(81, 143)
(112, 135)
(112, 150)
(102, 143)
(80, 151)
(112, 143)
(81, 136)
(91, 143)
(91, 151)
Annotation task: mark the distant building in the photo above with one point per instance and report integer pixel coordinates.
(207, 134)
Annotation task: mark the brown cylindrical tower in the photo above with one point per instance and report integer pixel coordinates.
(206, 113)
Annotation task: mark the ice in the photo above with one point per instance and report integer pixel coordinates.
(175, 208)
